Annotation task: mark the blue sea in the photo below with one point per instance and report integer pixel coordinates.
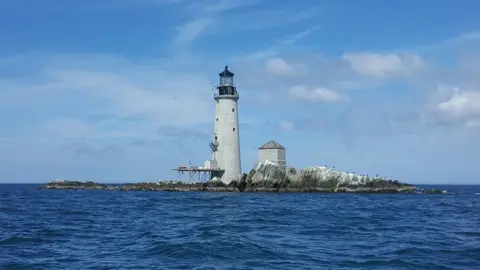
(54, 229)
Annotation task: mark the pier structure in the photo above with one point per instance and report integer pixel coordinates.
(199, 174)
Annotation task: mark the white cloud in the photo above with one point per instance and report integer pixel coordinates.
(319, 94)
(382, 66)
(135, 99)
(298, 36)
(278, 66)
(462, 106)
(215, 16)
(193, 30)
(285, 43)
(263, 18)
(473, 124)
(156, 99)
(469, 39)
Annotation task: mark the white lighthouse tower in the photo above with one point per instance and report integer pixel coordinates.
(226, 139)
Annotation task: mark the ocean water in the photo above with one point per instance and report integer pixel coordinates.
(55, 229)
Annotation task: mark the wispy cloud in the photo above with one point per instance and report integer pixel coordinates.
(193, 30)
(270, 18)
(456, 106)
(283, 44)
(317, 94)
(462, 40)
(291, 40)
(125, 92)
(384, 65)
(229, 16)
(278, 66)
(210, 16)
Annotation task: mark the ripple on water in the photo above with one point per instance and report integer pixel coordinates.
(18, 241)
(144, 230)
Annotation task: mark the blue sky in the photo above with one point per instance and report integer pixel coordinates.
(121, 90)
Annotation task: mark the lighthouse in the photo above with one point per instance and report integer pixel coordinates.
(225, 144)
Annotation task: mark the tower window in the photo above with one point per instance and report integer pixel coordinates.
(217, 119)
(216, 138)
(233, 129)
(233, 110)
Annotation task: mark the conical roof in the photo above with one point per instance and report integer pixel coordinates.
(226, 73)
(272, 145)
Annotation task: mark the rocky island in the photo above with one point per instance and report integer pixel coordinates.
(266, 177)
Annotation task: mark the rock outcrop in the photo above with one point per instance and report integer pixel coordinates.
(267, 177)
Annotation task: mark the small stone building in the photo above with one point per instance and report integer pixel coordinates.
(273, 152)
